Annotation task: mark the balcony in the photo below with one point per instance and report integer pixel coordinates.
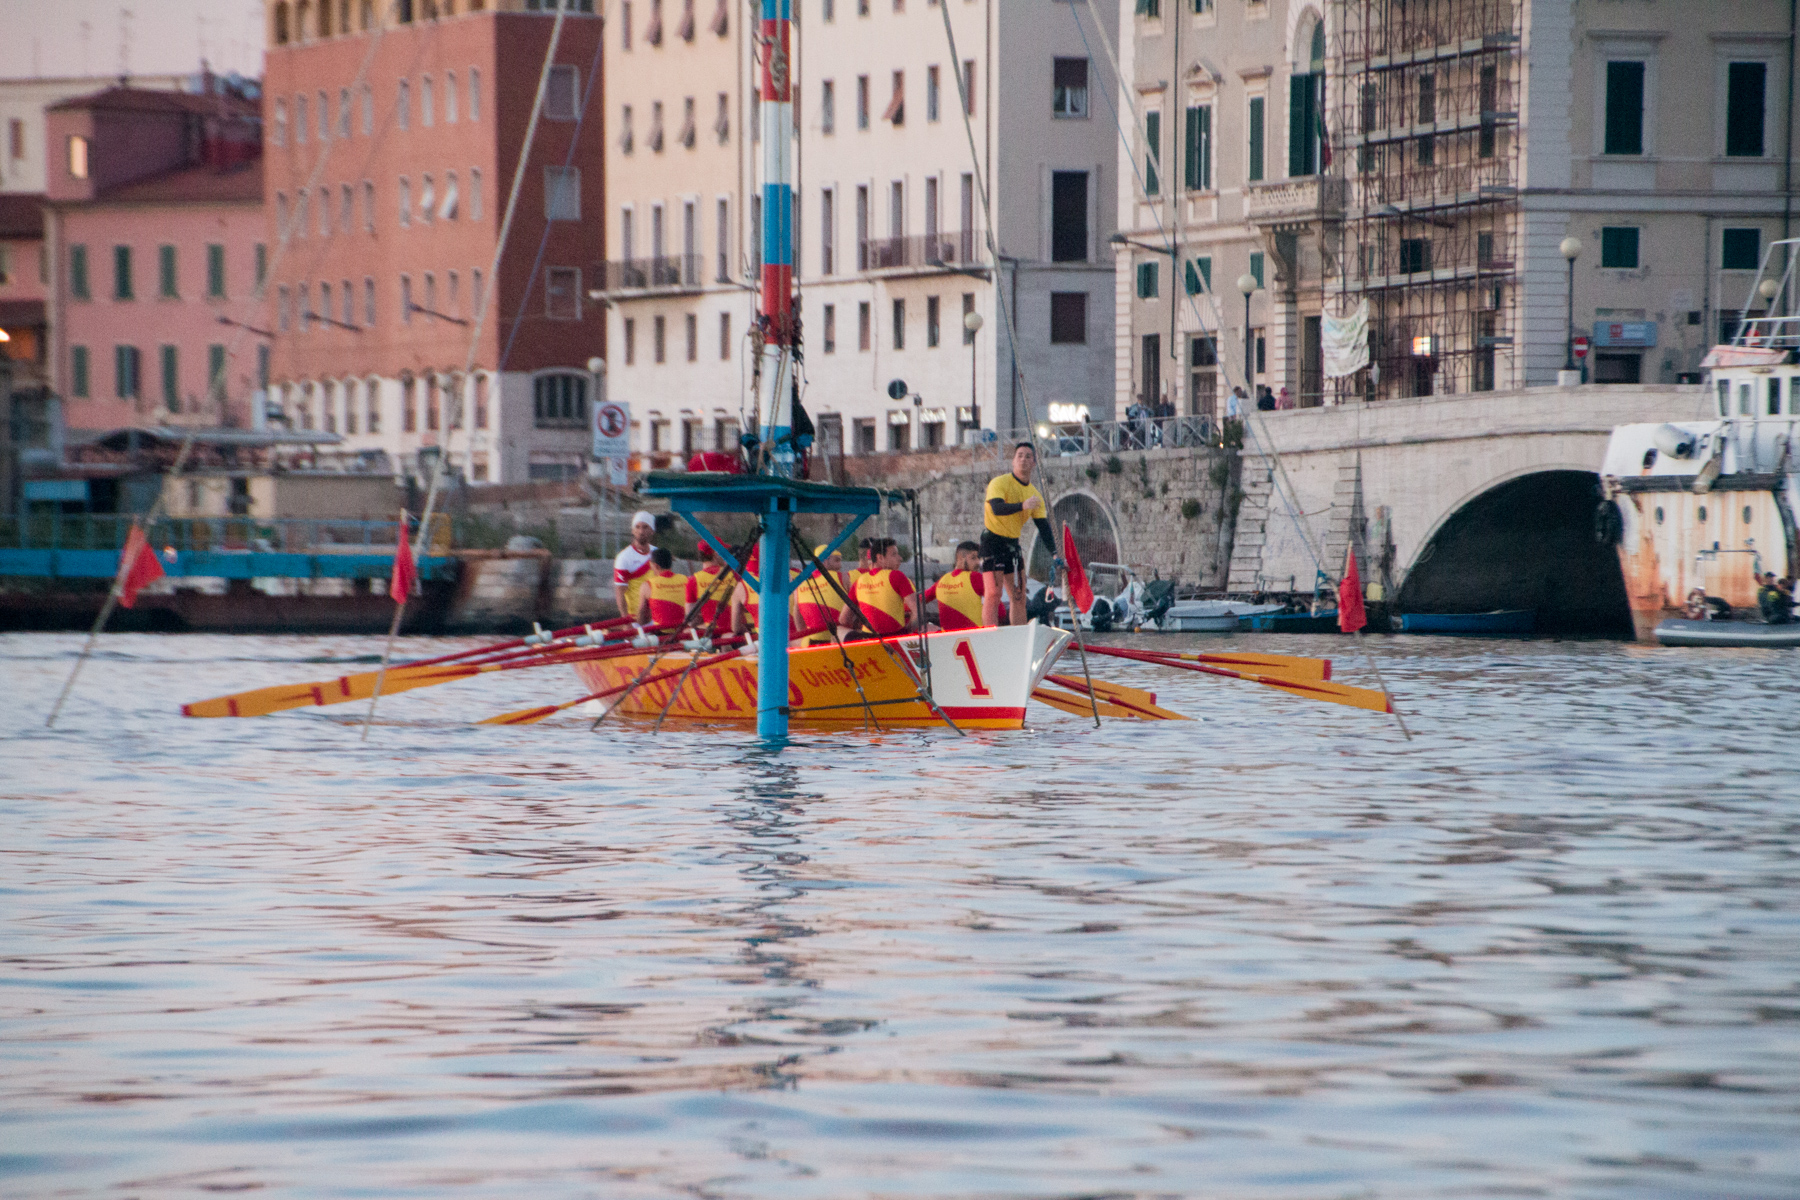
(680, 273)
(930, 252)
(1296, 203)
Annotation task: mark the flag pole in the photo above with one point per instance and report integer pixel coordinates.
(106, 610)
(387, 651)
(1075, 622)
(1352, 618)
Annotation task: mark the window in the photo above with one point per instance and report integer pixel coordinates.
(864, 323)
(325, 210)
(369, 307)
(481, 402)
(932, 308)
(427, 198)
(559, 401)
(405, 197)
(692, 328)
(862, 101)
(1149, 9)
(827, 232)
(899, 324)
(562, 193)
(723, 230)
(262, 267)
(1068, 216)
(968, 306)
(625, 25)
(1305, 129)
(1152, 153)
(78, 372)
(1068, 318)
(828, 319)
(862, 227)
(1199, 275)
(282, 309)
(1619, 247)
(1256, 269)
(1624, 108)
(449, 97)
(346, 207)
(725, 337)
(171, 378)
(474, 193)
(122, 286)
(969, 84)
(865, 436)
(1069, 87)
(1745, 91)
(896, 109)
(562, 293)
(1742, 250)
(78, 273)
(127, 364)
(302, 119)
(1146, 281)
(402, 106)
(78, 157)
(1415, 255)
(827, 11)
(475, 295)
(368, 110)
(1150, 376)
(828, 107)
(630, 341)
(406, 300)
(279, 134)
(561, 93)
(474, 95)
(658, 339)
(1198, 156)
(1257, 104)
(343, 112)
(931, 93)
(409, 412)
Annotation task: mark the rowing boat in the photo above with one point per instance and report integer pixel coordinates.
(980, 678)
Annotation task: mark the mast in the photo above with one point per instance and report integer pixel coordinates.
(775, 307)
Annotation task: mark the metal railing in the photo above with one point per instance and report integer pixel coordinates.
(650, 274)
(108, 531)
(928, 250)
(1111, 437)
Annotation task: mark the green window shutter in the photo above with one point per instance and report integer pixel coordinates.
(1619, 247)
(215, 371)
(1303, 124)
(122, 289)
(78, 371)
(1146, 281)
(122, 383)
(78, 273)
(165, 273)
(1256, 268)
(1152, 153)
(1203, 264)
(171, 378)
(215, 271)
(1744, 95)
(1624, 108)
(262, 266)
(1257, 105)
(1197, 150)
(1742, 250)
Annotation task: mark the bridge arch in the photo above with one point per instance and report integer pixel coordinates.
(1095, 527)
(1524, 539)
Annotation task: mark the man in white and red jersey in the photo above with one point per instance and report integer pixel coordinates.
(632, 564)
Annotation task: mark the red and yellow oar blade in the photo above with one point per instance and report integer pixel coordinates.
(1319, 689)
(1079, 705)
(528, 716)
(260, 702)
(1291, 665)
(1139, 703)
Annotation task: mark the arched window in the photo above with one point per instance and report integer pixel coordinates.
(302, 19)
(1306, 107)
(559, 401)
(281, 24)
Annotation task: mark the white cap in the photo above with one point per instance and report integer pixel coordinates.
(643, 518)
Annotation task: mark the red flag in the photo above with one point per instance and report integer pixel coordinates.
(1351, 616)
(141, 566)
(406, 573)
(1080, 593)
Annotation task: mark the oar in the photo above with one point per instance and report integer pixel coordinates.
(1290, 665)
(261, 702)
(1082, 704)
(1138, 702)
(1310, 689)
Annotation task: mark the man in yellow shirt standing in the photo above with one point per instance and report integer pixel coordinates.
(1011, 501)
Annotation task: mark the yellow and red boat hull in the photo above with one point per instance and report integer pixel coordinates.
(980, 678)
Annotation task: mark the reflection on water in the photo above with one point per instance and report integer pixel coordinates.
(1547, 948)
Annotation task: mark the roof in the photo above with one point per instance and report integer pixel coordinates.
(130, 99)
(240, 184)
(715, 491)
(22, 215)
(120, 439)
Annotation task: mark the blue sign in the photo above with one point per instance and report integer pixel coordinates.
(1635, 335)
(60, 490)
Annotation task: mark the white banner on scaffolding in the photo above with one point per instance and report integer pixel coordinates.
(1347, 342)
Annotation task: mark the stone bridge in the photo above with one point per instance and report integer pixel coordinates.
(1454, 503)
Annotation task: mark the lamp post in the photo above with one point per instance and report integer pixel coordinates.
(1247, 285)
(972, 325)
(1571, 250)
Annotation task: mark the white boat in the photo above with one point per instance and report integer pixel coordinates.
(1709, 505)
(1212, 616)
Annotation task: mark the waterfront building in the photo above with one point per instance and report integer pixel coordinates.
(1429, 160)
(24, 146)
(394, 133)
(890, 230)
(23, 273)
(152, 232)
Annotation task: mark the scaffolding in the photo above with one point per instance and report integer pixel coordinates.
(1426, 129)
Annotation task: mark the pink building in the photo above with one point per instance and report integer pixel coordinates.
(154, 236)
(22, 275)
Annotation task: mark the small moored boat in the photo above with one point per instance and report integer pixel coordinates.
(1487, 624)
(1683, 631)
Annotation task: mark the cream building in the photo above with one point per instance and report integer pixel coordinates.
(891, 234)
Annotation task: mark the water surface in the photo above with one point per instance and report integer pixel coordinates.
(1546, 948)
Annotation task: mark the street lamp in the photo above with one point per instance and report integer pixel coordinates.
(1247, 285)
(1571, 249)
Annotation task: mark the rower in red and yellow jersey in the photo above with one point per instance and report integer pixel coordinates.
(884, 595)
(715, 611)
(665, 595)
(959, 592)
(744, 606)
(816, 602)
